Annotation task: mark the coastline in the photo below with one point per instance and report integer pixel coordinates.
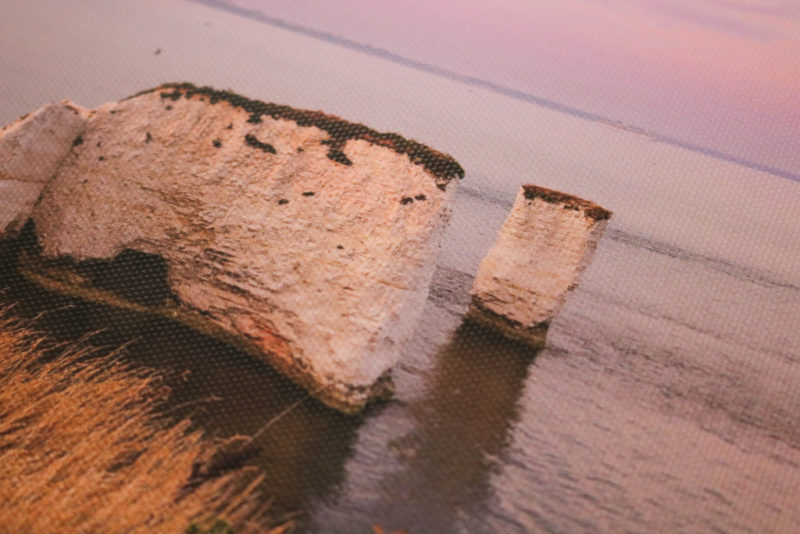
(501, 142)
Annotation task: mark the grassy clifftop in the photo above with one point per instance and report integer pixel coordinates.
(82, 449)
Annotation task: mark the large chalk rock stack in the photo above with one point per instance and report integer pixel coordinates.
(545, 244)
(304, 239)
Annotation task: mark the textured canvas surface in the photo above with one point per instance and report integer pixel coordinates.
(665, 398)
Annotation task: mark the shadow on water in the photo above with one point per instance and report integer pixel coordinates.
(224, 391)
(460, 426)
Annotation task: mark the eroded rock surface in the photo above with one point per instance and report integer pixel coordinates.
(544, 246)
(304, 239)
(31, 150)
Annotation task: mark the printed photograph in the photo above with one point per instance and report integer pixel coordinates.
(292, 266)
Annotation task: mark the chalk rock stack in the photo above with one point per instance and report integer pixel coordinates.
(544, 246)
(31, 150)
(304, 239)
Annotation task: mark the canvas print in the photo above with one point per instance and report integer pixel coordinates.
(417, 267)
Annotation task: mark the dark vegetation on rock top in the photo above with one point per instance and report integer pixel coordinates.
(440, 165)
(590, 209)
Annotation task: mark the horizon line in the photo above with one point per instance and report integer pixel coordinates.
(516, 94)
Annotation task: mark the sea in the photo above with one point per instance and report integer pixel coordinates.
(649, 410)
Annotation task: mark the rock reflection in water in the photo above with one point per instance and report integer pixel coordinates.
(438, 471)
(463, 425)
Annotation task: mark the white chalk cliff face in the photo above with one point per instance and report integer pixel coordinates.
(544, 246)
(306, 240)
(31, 150)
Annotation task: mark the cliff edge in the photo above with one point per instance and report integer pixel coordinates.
(306, 240)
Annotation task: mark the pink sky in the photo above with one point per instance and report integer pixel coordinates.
(722, 74)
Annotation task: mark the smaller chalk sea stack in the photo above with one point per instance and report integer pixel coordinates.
(544, 246)
(306, 240)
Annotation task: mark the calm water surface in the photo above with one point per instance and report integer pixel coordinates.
(653, 407)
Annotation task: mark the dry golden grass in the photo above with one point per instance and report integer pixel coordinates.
(82, 450)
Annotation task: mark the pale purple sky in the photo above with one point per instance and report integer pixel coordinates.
(722, 74)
